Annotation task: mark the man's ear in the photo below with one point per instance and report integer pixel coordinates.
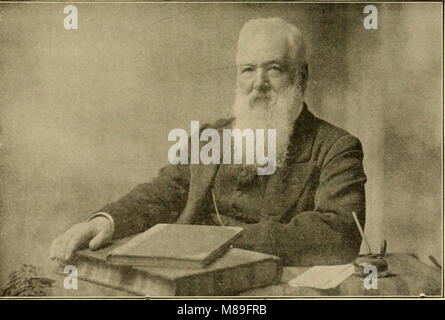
(304, 77)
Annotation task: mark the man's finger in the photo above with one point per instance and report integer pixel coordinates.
(53, 248)
(99, 240)
(59, 249)
(76, 240)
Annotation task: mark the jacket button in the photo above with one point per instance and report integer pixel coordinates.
(238, 194)
(243, 173)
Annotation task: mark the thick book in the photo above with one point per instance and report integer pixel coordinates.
(236, 271)
(175, 246)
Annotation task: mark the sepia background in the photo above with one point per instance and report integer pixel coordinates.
(85, 113)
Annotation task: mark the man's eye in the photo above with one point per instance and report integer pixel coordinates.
(275, 68)
(247, 70)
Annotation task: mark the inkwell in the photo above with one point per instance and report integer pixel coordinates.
(364, 263)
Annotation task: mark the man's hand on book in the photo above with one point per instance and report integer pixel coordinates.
(96, 233)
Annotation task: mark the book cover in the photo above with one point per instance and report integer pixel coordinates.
(236, 271)
(176, 245)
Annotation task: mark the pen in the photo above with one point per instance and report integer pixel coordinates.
(354, 215)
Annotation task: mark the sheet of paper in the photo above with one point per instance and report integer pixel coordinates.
(323, 277)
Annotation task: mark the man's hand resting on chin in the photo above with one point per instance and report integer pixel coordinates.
(95, 233)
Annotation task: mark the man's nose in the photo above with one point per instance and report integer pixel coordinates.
(261, 82)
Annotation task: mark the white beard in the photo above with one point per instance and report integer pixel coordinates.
(279, 114)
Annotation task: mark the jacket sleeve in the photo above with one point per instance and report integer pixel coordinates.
(328, 234)
(159, 201)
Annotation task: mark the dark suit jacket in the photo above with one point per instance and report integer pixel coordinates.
(306, 211)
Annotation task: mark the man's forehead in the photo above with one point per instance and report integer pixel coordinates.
(262, 46)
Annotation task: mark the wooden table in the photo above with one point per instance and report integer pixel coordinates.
(410, 278)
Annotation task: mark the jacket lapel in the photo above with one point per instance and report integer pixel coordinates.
(201, 179)
(286, 186)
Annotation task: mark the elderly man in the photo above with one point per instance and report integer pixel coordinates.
(301, 213)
